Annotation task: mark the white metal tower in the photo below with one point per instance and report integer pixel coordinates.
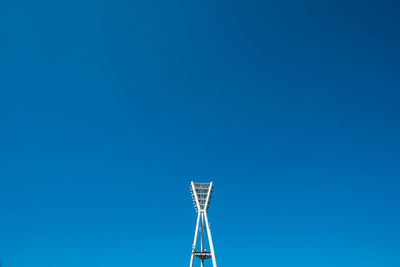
(201, 194)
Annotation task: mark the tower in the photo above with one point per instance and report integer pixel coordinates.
(201, 194)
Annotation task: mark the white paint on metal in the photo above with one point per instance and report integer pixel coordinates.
(204, 188)
(210, 241)
(195, 240)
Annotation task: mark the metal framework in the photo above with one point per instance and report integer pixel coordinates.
(201, 194)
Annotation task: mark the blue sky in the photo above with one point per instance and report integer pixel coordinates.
(110, 108)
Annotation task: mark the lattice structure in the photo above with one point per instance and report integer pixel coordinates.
(202, 190)
(201, 194)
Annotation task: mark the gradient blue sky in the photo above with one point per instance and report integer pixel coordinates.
(109, 108)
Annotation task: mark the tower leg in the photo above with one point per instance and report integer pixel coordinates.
(195, 240)
(202, 232)
(202, 236)
(210, 241)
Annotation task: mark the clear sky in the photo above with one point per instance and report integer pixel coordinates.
(109, 109)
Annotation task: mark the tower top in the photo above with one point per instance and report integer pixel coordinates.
(201, 194)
